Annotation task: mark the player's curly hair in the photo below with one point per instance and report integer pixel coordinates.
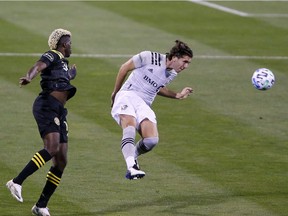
(55, 37)
(179, 50)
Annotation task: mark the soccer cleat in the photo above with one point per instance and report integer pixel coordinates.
(15, 190)
(40, 211)
(134, 173)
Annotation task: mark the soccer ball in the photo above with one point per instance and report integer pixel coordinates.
(263, 79)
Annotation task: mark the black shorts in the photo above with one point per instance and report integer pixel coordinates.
(50, 116)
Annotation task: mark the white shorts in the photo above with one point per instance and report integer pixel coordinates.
(129, 103)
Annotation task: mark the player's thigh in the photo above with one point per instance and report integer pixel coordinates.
(60, 159)
(51, 142)
(127, 120)
(47, 112)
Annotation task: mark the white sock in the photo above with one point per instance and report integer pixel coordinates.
(130, 161)
(128, 145)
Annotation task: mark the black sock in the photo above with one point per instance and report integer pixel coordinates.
(53, 180)
(37, 161)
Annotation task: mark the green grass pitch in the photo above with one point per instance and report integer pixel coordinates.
(222, 152)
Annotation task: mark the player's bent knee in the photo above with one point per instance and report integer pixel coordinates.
(150, 142)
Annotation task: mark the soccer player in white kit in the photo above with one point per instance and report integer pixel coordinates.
(131, 101)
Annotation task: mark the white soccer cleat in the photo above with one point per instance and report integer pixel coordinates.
(15, 190)
(134, 173)
(40, 211)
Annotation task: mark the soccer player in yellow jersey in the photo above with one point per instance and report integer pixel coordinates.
(50, 115)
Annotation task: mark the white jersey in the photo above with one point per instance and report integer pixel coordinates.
(149, 76)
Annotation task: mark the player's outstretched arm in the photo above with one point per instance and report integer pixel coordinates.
(37, 67)
(122, 73)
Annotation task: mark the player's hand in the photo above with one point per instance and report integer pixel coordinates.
(24, 81)
(184, 93)
(72, 72)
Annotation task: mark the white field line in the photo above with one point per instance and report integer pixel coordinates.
(74, 55)
(235, 12)
(220, 57)
(269, 15)
(219, 7)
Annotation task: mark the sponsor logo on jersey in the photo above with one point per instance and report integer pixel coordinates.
(153, 83)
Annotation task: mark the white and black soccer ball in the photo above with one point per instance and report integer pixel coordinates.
(263, 79)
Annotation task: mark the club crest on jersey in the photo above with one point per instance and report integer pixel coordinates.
(57, 121)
